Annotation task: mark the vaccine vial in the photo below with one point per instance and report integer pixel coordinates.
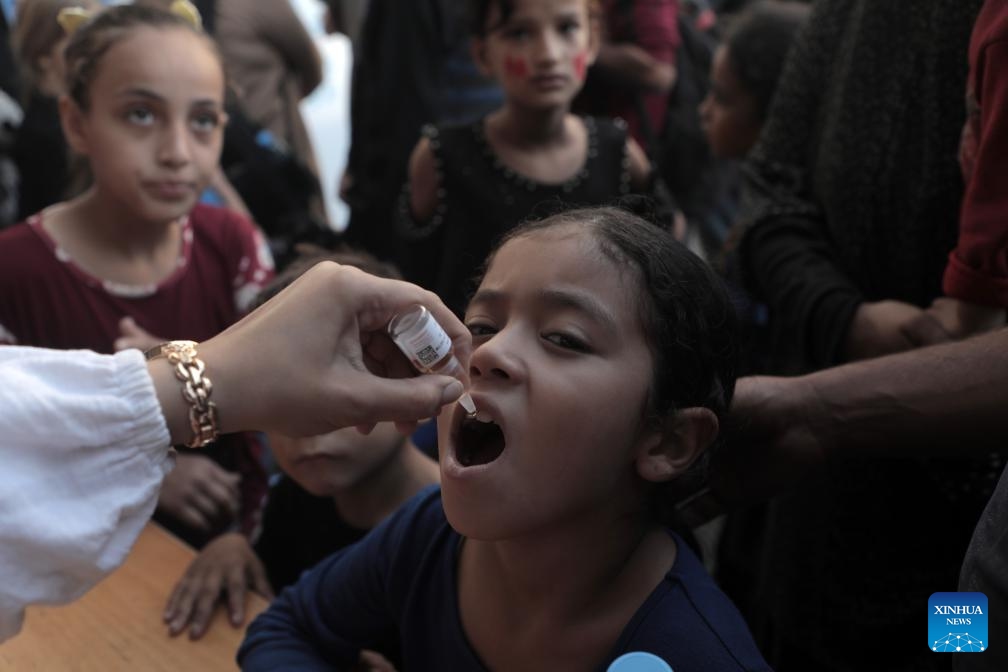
(427, 346)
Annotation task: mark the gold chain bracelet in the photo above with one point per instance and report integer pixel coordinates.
(190, 370)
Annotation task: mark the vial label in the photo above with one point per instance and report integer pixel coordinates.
(429, 346)
(427, 356)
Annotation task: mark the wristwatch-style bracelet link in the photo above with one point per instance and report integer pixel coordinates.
(190, 370)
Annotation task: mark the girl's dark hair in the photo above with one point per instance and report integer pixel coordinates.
(94, 38)
(685, 314)
(683, 308)
(479, 14)
(758, 42)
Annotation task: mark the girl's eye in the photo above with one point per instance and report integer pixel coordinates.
(140, 116)
(568, 27)
(515, 34)
(566, 341)
(205, 122)
(480, 330)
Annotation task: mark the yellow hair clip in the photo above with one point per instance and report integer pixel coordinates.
(187, 11)
(71, 18)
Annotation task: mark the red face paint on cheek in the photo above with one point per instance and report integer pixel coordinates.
(581, 65)
(516, 67)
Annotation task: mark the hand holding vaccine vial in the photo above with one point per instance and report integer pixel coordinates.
(425, 343)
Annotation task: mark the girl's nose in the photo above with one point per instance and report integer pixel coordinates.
(174, 149)
(548, 47)
(496, 359)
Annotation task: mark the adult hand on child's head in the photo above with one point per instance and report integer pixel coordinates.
(132, 336)
(886, 327)
(961, 319)
(200, 493)
(226, 565)
(317, 357)
(768, 447)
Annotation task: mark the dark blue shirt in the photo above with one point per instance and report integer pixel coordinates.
(402, 577)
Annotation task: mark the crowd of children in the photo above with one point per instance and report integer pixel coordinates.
(544, 534)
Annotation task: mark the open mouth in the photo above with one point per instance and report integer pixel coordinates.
(478, 442)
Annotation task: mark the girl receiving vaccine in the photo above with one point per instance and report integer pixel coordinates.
(470, 184)
(134, 260)
(604, 359)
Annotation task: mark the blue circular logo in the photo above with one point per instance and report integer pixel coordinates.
(639, 661)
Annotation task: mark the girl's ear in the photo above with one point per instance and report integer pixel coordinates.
(477, 47)
(670, 451)
(72, 119)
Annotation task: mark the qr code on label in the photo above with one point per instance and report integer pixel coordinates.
(427, 356)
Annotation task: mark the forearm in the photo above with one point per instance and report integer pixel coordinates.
(83, 432)
(236, 390)
(169, 395)
(628, 64)
(977, 270)
(789, 264)
(282, 27)
(948, 399)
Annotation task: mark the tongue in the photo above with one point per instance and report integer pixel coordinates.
(484, 453)
(480, 443)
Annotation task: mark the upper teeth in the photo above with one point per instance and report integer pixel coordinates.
(483, 416)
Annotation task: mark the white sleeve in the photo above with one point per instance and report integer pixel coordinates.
(84, 448)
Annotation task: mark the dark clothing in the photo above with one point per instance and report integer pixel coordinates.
(977, 271)
(299, 530)
(481, 199)
(403, 577)
(853, 195)
(853, 191)
(42, 157)
(416, 52)
(985, 570)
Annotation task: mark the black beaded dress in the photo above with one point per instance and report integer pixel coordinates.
(480, 199)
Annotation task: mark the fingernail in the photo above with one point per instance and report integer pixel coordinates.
(451, 392)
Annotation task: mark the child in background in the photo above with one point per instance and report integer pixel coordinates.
(604, 358)
(743, 79)
(335, 488)
(135, 255)
(40, 150)
(744, 75)
(470, 184)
